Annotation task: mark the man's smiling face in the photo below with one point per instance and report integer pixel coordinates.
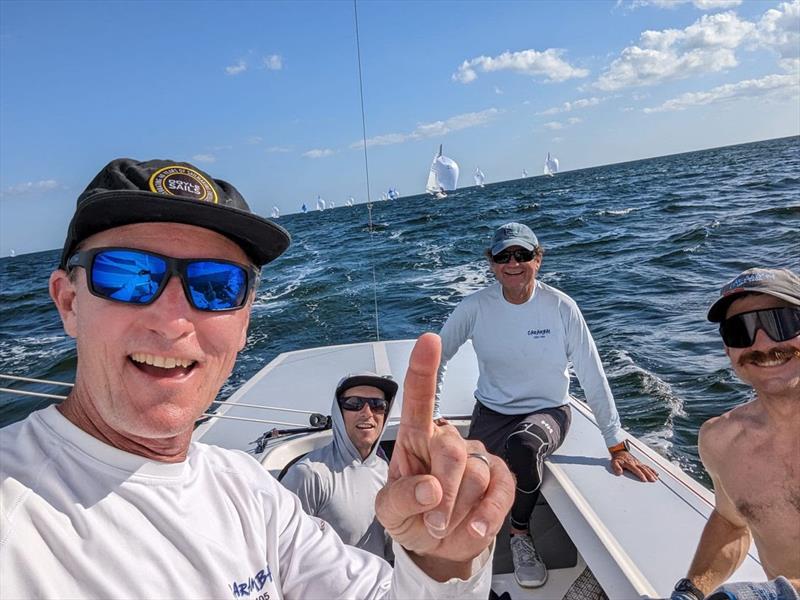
(148, 372)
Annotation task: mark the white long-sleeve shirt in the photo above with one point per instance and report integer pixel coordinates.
(81, 519)
(524, 351)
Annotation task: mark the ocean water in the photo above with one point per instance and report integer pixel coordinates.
(643, 247)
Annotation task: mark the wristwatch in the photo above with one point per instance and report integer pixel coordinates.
(687, 587)
(623, 445)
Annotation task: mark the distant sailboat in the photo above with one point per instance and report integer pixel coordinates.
(304, 208)
(320, 203)
(350, 201)
(524, 172)
(550, 165)
(393, 194)
(479, 177)
(332, 204)
(275, 212)
(12, 253)
(443, 176)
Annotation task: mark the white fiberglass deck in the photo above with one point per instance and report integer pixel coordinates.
(637, 538)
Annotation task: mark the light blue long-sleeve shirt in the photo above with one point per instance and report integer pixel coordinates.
(524, 351)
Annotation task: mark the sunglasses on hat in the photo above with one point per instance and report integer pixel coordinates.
(780, 324)
(520, 255)
(356, 403)
(138, 277)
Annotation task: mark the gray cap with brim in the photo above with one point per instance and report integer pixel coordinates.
(780, 283)
(513, 234)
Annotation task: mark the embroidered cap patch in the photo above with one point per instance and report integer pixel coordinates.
(176, 180)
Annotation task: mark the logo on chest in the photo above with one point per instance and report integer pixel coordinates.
(253, 585)
(538, 334)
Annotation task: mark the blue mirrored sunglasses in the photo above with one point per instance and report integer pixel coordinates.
(138, 277)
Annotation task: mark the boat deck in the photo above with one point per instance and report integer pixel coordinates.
(637, 538)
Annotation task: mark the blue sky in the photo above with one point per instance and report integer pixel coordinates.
(265, 94)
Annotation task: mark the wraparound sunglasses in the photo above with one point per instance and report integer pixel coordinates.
(138, 277)
(520, 255)
(354, 403)
(780, 324)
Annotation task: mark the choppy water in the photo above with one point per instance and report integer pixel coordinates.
(643, 248)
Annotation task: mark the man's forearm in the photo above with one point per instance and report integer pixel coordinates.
(722, 548)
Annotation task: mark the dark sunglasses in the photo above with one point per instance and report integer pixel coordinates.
(780, 324)
(354, 403)
(520, 255)
(138, 277)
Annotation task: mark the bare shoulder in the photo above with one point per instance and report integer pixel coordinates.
(719, 434)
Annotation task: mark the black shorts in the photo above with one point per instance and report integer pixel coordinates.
(494, 428)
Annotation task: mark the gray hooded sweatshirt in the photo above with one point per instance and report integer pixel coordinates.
(334, 484)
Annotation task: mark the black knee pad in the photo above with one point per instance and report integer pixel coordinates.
(524, 446)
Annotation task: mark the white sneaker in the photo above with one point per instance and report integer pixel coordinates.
(529, 569)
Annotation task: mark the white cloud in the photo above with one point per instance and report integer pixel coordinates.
(773, 86)
(318, 153)
(20, 189)
(273, 62)
(779, 30)
(701, 4)
(707, 45)
(434, 129)
(570, 106)
(529, 62)
(498, 91)
(556, 125)
(254, 140)
(204, 158)
(280, 149)
(239, 67)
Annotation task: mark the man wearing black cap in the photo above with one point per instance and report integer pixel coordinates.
(339, 482)
(106, 495)
(752, 452)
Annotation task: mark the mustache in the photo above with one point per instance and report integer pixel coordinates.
(777, 353)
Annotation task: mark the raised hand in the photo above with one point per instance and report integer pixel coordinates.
(446, 497)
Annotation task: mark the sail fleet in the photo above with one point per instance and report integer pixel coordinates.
(442, 178)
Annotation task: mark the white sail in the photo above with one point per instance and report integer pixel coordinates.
(275, 212)
(524, 172)
(443, 175)
(350, 201)
(550, 165)
(331, 204)
(320, 203)
(479, 177)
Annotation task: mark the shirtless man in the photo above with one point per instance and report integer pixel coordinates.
(752, 452)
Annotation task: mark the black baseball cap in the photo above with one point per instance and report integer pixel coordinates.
(384, 383)
(128, 191)
(781, 283)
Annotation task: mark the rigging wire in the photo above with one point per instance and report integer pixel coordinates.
(366, 171)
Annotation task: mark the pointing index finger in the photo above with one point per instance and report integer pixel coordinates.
(419, 387)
